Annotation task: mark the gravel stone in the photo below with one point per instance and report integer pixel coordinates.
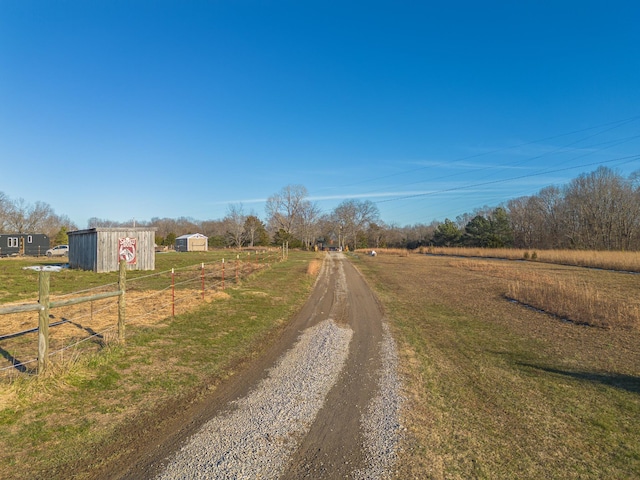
(381, 424)
(256, 439)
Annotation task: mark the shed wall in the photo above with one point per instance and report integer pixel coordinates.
(83, 251)
(97, 249)
(197, 244)
(181, 245)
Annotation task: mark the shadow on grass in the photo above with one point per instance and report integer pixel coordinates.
(17, 364)
(89, 330)
(630, 383)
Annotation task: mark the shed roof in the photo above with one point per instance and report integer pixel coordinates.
(112, 229)
(191, 235)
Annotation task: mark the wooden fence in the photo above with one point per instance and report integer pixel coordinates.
(44, 305)
(179, 280)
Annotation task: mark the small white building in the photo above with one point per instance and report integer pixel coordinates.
(192, 242)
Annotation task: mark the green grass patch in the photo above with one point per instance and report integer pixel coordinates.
(20, 284)
(78, 408)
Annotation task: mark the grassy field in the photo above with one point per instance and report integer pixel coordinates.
(180, 280)
(494, 389)
(22, 285)
(609, 260)
(68, 417)
(499, 390)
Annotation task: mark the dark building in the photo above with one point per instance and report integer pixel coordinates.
(33, 244)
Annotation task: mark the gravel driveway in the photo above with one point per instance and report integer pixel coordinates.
(325, 403)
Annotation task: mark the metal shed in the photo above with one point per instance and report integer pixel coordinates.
(193, 242)
(101, 249)
(23, 244)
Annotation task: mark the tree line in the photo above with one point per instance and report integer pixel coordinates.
(18, 216)
(598, 210)
(290, 218)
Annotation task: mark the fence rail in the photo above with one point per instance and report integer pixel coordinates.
(207, 277)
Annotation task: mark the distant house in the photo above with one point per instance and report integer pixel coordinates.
(193, 242)
(33, 244)
(101, 249)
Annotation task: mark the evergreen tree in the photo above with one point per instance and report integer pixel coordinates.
(61, 237)
(447, 234)
(477, 232)
(501, 234)
(170, 239)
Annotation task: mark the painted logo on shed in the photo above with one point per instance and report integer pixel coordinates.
(127, 250)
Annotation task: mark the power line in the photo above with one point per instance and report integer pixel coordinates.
(614, 125)
(628, 159)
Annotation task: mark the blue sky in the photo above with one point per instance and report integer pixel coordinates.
(138, 109)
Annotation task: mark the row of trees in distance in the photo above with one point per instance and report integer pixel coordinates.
(598, 210)
(18, 216)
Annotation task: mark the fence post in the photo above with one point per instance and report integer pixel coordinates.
(202, 277)
(43, 321)
(173, 292)
(237, 261)
(122, 285)
(223, 274)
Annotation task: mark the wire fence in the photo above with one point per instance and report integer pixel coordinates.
(88, 325)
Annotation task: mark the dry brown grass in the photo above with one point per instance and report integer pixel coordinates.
(577, 301)
(580, 297)
(498, 390)
(96, 321)
(314, 267)
(622, 261)
(400, 252)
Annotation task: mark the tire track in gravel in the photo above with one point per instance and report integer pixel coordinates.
(323, 402)
(353, 436)
(260, 434)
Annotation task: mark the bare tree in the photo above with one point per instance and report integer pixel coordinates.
(255, 230)
(23, 217)
(594, 201)
(376, 234)
(327, 233)
(307, 228)
(598, 210)
(52, 224)
(18, 216)
(284, 209)
(395, 236)
(353, 218)
(521, 222)
(235, 221)
(251, 226)
(4, 207)
(216, 230)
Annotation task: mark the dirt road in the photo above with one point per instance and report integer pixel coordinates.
(323, 401)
